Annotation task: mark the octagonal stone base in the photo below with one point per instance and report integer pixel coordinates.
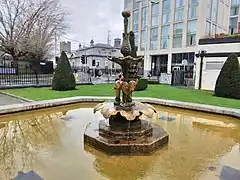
(143, 141)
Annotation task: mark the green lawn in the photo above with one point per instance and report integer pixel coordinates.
(155, 91)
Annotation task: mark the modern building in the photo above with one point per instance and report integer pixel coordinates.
(167, 31)
(96, 55)
(234, 22)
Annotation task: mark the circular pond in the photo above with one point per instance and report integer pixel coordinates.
(50, 142)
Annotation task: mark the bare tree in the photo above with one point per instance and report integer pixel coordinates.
(50, 23)
(26, 25)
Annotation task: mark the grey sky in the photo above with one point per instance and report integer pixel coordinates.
(92, 19)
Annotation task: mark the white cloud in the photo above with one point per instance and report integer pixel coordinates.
(93, 19)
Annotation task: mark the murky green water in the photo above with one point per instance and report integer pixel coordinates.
(200, 145)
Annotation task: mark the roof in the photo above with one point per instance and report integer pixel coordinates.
(98, 45)
(102, 45)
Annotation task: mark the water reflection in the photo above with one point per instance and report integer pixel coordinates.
(22, 140)
(122, 167)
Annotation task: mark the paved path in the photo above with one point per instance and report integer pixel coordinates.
(7, 100)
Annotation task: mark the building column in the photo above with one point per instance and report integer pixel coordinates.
(170, 43)
(147, 61)
(185, 23)
(169, 65)
(147, 64)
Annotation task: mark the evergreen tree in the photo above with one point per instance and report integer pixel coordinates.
(228, 81)
(63, 79)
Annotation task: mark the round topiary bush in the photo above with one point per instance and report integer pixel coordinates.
(228, 81)
(63, 79)
(141, 85)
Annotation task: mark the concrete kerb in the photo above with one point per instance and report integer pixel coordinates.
(17, 97)
(64, 101)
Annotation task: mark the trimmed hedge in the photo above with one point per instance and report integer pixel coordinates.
(141, 85)
(63, 79)
(228, 81)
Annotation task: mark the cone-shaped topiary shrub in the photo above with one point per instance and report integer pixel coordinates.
(142, 85)
(63, 79)
(228, 81)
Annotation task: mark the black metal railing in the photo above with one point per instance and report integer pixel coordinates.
(16, 74)
(26, 74)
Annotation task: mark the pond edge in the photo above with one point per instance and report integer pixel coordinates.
(14, 108)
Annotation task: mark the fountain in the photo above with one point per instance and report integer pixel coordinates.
(125, 126)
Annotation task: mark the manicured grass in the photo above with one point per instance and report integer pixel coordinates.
(155, 91)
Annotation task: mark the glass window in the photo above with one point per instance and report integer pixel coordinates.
(208, 28)
(193, 2)
(164, 37)
(93, 62)
(178, 3)
(135, 4)
(178, 29)
(234, 22)
(234, 11)
(166, 18)
(192, 12)
(159, 64)
(144, 17)
(177, 58)
(166, 5)
(233, 25)
(166, 15)
(155, 14)
(209, 9)
(191, 33)
(235, 2)
(136, 37)
(177, 35)
(135, 20)
(214, 10)
(154, 38)
(143, 40)
(179, 14)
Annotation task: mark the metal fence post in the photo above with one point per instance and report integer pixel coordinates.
(36, 75)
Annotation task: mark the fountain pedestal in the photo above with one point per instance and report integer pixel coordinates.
(124, 132)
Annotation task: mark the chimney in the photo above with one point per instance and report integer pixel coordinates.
(117, 43)
(91, 43)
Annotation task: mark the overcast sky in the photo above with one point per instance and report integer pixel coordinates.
(93, 19)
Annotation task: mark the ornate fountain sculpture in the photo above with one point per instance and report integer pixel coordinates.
(125, 127)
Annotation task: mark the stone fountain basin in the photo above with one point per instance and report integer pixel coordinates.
(141, 142)
(194, 150)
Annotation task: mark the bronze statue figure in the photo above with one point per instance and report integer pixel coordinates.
(128, 62)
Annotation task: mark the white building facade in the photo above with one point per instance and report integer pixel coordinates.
(96, 56)
(167, 32)
(216, 55)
